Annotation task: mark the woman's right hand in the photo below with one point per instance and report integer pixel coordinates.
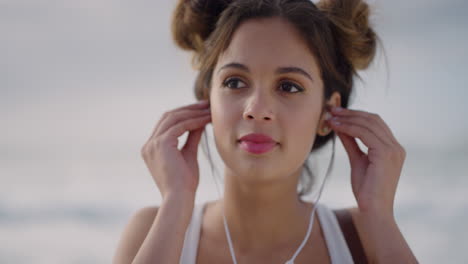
(176, 171)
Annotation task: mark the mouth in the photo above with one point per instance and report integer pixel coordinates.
(257, 143)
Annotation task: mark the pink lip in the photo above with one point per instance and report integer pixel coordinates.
(257, 143)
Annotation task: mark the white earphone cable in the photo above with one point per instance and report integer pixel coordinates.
(311, 221)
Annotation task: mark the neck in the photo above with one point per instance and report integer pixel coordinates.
(264, 217)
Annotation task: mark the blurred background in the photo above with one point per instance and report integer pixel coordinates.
(83, 83)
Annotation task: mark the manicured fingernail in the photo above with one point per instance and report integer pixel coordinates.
(337, 109)
(328, 116)
(335, 121)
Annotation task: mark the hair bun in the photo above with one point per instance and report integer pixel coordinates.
(351, 23)
(194, 20)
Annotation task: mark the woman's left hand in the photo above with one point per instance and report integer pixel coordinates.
(375, 175)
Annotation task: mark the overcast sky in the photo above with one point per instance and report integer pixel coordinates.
(102, 72)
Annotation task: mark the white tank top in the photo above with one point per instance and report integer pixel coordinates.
(336, 244)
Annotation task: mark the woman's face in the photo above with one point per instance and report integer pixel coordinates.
(267, 82)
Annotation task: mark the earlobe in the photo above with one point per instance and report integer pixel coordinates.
(324, 129)
(335, 100)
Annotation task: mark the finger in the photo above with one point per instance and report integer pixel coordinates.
(370, 116)
(351, 112)
(187, 125)
(365, 122)
(363, 133)
(196, 106)
(191, 146)
(177, 117)
(351, 147)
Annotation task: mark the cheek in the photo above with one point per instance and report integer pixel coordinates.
(221, 116)
(224, 122)
(302, 129)
(217, 110)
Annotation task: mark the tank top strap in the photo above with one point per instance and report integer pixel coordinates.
(336, 243)
(192, 236)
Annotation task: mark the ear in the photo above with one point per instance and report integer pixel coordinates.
(322, 128)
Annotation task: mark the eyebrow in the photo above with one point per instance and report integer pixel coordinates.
(280, 70)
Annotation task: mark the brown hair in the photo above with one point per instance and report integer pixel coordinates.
(337, 32)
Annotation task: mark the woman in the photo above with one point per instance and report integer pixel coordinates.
(271, 74)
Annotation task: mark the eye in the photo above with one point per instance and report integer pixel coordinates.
(233, 83)
(290, 87)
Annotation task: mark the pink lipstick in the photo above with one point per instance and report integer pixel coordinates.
(257, 143)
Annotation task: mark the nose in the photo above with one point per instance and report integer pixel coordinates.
(259, 107)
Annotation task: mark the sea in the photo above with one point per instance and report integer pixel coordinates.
(60, 206)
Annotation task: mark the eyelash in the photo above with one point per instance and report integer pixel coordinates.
(229, 80)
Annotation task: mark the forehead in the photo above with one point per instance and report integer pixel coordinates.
(269, 43)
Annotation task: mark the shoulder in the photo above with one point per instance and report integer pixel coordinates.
(134, 234)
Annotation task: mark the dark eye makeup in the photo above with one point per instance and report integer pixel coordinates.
(285, 86)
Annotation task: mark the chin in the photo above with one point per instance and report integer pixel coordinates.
(255, 172)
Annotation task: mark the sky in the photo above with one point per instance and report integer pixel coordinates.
(77, 70)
